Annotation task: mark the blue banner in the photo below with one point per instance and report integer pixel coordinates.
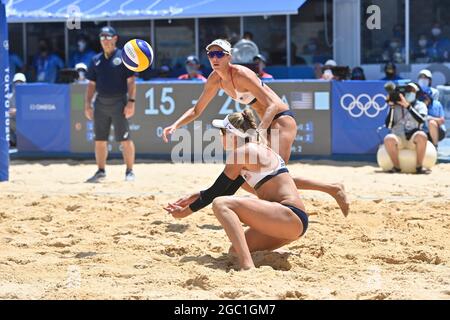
(359, 110)
(43, 117)
(4, 102)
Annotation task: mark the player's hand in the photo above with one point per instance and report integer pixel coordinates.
(168, 131)
(178, 212)
(128, 111)
(187, 200)
(89, 112)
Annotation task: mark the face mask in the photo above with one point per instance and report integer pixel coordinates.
(191, 69)
(81, 75)
(81, 45)
(410, 97)
(394, 45)
(435, 32)
(312, 47)
(424, 82)
(422, 42)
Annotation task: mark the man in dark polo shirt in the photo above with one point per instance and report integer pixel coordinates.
(114, 104)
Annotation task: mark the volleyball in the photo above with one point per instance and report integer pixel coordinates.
(137, 55)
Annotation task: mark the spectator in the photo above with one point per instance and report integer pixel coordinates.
(358, 74)
(81, 68)
(395, 51)
(261, 61)
(425, 78)
(248, 36)
(15, 63)
(18, 79)
(435, 124)
(164, 72)
(193, 70)
(327, 70)
(421, 52)
(405, 119)
(390, 71)
(440, 46)
(46, 64)
(83, 53)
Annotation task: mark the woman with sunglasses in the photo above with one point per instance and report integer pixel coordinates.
(244, 86)
(276, 218)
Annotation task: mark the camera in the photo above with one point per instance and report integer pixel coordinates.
(394, 91)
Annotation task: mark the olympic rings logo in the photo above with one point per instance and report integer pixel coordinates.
(363, 104)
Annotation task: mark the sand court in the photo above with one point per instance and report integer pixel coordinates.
(61, 238)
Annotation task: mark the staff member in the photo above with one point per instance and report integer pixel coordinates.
(112, 81)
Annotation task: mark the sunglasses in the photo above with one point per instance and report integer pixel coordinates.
(106, 38)
(218, 54)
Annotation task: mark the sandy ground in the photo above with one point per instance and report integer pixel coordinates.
(63, 239)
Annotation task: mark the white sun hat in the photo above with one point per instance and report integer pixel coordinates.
(226, 124)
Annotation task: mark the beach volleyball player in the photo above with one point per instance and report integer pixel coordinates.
(276, 218)
(243, 85)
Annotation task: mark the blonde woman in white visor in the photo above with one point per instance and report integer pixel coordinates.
(244, 86)
(276, 218)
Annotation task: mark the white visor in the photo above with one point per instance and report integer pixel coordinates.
(226, 124)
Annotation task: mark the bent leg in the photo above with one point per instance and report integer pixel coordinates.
(420, 139)
(434, 131)
(391, 143)
(257, 241)
(268, 218)
(286, 133)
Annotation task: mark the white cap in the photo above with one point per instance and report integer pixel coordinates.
(80, 65)
(224, 44)
(331, 63)
(413, 85)
(19, 77)
(427, 73)
(226, 124)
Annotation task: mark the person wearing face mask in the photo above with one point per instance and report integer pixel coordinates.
(425, 79)
(82, 54)
(358, 74)
(421, 53)
(46, 64)
(260, 62)
(192, 69)
(405, 119)
(440, 46)
(81, 68)
(390, 71)
(435, 123)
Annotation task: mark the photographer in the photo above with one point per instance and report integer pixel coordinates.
(405, 119)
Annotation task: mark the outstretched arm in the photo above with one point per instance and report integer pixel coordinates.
(227, 183)
(209, 92)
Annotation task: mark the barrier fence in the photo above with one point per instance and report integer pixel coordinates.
(332, 117)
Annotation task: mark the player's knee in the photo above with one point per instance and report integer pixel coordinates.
(220, 203)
